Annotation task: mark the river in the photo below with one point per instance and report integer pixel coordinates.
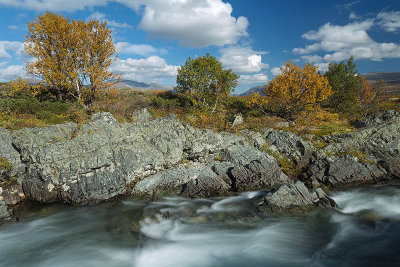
(175, 232)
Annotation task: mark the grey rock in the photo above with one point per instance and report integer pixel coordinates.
(12, 194)
(4, 213)
(9, 153)
(294, 197)
(344, 171)
(252, 170)
(141, 115)
(290, 145)
(203, 182)
(384, 117)
(236, 119)
(243, 168)
(254, 138)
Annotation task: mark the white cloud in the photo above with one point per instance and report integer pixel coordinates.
(138, 49)
(12, 72)
(323, 67)
(276, 71)
(311, 58)
(13, 27)
(390, 21)
(253, 78)
(150, 69)
(242, 59)
(112, 23)
(307, 49)
(194, 23)
(10, 46)
(352, 39)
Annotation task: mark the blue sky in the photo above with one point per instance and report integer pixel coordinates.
(253, 37)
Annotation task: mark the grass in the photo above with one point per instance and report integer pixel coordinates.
(5, 164)
(361, 157)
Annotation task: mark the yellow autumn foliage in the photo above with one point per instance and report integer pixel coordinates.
(71, 56)
(297, 88)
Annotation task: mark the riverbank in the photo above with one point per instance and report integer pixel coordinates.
(103, 159)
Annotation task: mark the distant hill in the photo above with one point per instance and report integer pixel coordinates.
(255, 89)
(392, 80)
(142, 85)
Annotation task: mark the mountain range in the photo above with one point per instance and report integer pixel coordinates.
(142, 85)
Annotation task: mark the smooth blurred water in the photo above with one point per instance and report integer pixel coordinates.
(208, 232)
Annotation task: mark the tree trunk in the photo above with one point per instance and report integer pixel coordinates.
(215, 105)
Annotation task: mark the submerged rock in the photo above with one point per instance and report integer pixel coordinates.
(294, 197)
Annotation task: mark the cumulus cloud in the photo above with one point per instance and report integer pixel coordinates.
(10, 46)
(194, 23)
(253, 78)
(276, 71)
(342, 42)
(138, 49)
(112, 23)
(311, 58)
(390, 21)
(151, 69)
(11, 72)
(242, 59)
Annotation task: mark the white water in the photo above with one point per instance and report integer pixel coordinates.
(220, 232)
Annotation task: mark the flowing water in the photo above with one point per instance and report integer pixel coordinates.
(208, 232)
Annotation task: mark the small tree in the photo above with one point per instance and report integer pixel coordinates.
(296, 89)
(71, 57)
(347, 86)
(206, 81)
(372, 97)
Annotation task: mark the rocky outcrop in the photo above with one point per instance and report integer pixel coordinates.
(103, 159)
(369, 155)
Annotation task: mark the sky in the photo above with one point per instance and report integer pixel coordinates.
(254, 38)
